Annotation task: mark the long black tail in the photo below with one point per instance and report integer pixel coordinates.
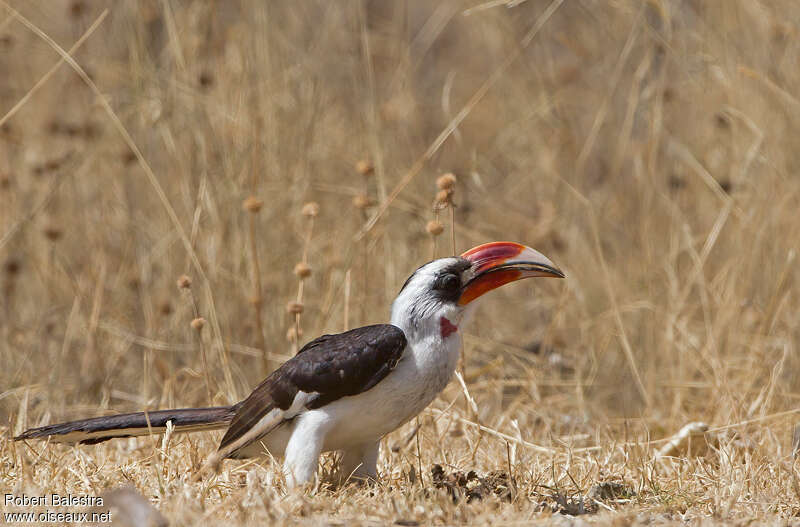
(99, 429)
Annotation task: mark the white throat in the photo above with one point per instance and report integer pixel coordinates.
(428, 363)
(433, 329)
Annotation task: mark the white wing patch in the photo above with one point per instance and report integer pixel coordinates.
(268, 423)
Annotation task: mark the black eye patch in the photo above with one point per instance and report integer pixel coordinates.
(447, 282)
(447, 286)
(441, 284)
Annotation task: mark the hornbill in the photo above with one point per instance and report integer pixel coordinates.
(346, 391)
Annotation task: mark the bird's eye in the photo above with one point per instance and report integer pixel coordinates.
(448, 282)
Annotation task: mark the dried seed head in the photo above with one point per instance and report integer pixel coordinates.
(12, 267)
(252, 204)
(77, 9)
(54, 127)
(53, 233)
(295, 308)
(198, 323)
(184, 282)
(444, 198)
(128, 157)
(291, 334)
(72, 129)
(302, 270)
(5, 181)
(435, 228)
(365, 168)
(722, 120)
(90, 131)
(311, 209)
(165, 308)
(779, 32)
(206, 79)
(6, 129)
(362, 201)
(446, 181)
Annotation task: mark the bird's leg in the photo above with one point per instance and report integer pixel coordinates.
(304, 448)
(360, 462)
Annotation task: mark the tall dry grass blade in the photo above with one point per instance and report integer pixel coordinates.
(223, 354)
(623, 334)
(420, 163)
(41, 82)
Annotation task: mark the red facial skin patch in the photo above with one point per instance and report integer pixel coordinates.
(447, 327)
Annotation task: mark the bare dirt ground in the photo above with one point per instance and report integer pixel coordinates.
(649, 148)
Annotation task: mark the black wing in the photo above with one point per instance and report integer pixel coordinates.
(332, 367)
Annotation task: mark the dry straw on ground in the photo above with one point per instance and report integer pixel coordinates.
(648, 148)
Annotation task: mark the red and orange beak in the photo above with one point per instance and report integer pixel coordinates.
(498, 263)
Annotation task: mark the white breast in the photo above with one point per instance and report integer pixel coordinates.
(423, 372)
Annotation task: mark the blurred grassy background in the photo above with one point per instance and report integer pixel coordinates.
(648, 148)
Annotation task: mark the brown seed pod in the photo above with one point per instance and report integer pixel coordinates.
(295, 308)
(435, 228)
(252, 204)
(362, 201)
(72, 129)
(365, 168)
(165, 308)
(446, 181)
(198, 323)
(444, 198)
(77, 9)
(53, 233)
(206, 79)
(311, 209)
(302, 270)
(12, 267)
(128, 157)
(7, 41)
(54, 127)
(184, 282)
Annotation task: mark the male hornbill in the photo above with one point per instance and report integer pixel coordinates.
(346, 391)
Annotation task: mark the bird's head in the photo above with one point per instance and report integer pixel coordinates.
(439, 294)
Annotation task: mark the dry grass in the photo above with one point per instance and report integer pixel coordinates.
(649, 148)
